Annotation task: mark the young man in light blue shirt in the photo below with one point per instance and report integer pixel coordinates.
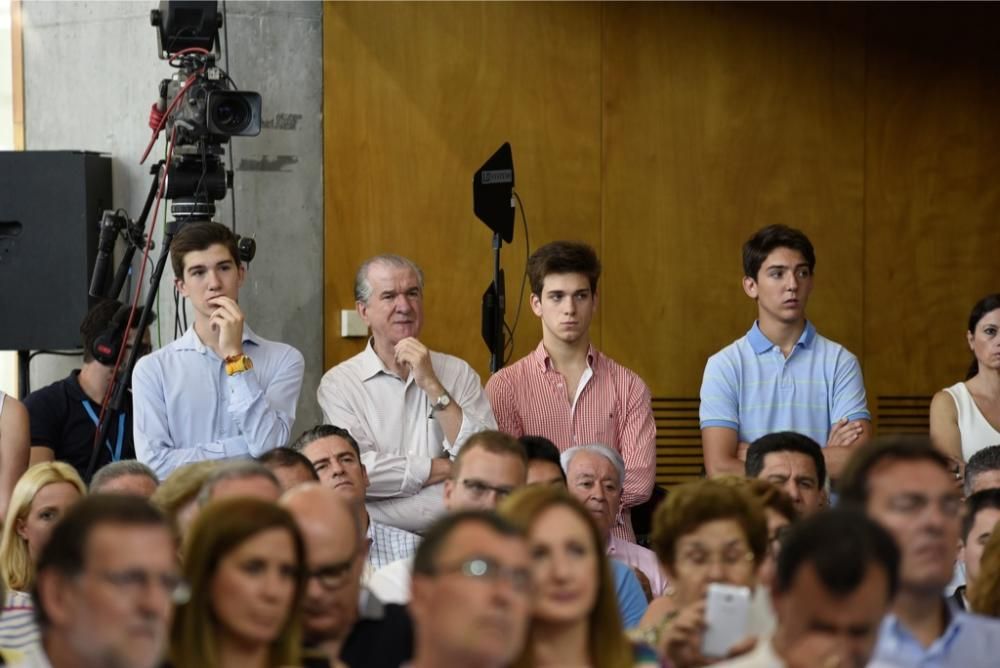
(220, 390)
(782, 375)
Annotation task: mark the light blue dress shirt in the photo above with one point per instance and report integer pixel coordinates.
(969, 641)
(631, 599)
(751, 387)
(187, 409)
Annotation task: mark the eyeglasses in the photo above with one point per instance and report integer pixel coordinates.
(135, 581)
(333, 576)
(477, 489)
(914, 504)
(730, 558)
(483, 568)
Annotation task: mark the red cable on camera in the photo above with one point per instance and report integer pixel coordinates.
(138, 284)
(157, 118)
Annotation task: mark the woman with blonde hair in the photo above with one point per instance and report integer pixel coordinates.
(575, 619)
(245, 563)
(177, 496)
(40, 498)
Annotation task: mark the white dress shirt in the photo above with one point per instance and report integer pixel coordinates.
(392, 583)
(392, 422)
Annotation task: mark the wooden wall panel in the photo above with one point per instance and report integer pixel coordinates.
(932, 192)
(665, 134)
(718, 120)
(416, 97)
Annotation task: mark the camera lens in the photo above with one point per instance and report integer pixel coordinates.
(231, 115)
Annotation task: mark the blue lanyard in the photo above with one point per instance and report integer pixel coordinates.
(116, 454)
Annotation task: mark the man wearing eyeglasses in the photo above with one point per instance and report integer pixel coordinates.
(908, 487)
(341, 619)
(106, 586)
(471, 593)
(490, 466)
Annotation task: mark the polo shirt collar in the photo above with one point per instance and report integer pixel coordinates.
(544, 360)
(191, 341)
(761, 344)
(74, 387)
(899, 634)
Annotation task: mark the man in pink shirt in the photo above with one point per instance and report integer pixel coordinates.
(594, 475)
(566, 390)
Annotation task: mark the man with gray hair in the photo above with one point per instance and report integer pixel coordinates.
(127, 476)
(982, 471)
(595, 474)
(244, 478)
(409, 408)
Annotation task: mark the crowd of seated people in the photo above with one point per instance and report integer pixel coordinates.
(433, 521)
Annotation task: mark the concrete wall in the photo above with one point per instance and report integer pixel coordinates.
(8, 360)
(91, 74)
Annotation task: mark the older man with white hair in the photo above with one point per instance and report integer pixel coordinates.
(595, 475)
(409, 408)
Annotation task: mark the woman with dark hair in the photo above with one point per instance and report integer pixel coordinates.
(245, 564)
(575, 619)
(965, 417)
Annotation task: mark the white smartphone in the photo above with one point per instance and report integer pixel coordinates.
(726, 609)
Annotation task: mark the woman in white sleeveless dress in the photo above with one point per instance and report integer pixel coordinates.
(965, 417)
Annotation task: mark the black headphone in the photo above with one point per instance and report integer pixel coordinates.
(247, 248)
(107, 345)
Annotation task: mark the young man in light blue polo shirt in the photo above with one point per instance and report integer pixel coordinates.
(782, 375)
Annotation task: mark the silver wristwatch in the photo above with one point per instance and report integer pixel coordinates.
(442, 403)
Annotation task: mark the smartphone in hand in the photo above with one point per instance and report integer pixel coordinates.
(726, 612)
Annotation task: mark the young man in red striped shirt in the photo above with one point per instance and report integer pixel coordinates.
(566, 390)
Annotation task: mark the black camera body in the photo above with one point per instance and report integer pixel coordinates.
(211, 110)
(200, 106)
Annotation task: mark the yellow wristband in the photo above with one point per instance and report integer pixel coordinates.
(238, 364)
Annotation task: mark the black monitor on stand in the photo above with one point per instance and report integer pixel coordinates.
(493, 203)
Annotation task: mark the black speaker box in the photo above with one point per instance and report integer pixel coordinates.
(50, 213)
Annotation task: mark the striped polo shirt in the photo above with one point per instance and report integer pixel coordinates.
(751, 387)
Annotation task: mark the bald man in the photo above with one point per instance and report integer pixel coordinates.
(341, 619)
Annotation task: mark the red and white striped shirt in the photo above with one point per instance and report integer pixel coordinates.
(612, 407)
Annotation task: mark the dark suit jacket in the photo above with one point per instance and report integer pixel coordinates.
(381, 638)
(385, 642)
